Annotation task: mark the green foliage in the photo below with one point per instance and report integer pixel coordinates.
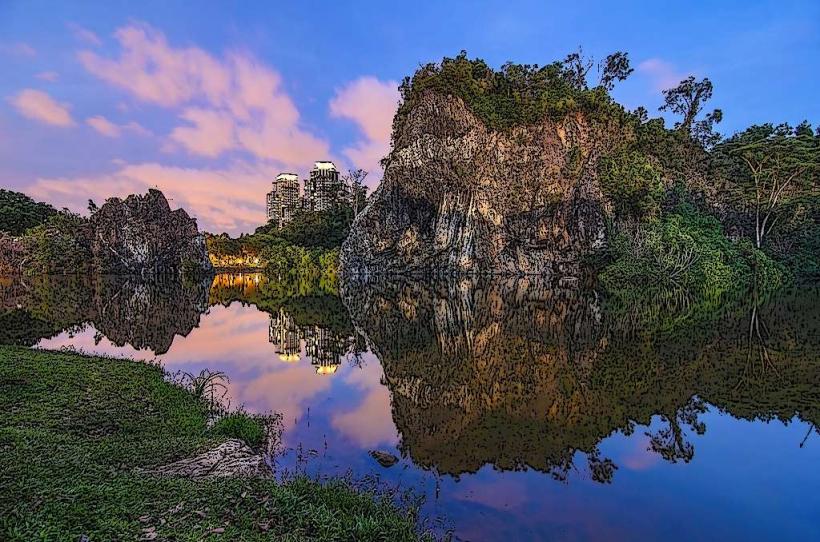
(517, 94)
(307, 246)
(686, 250)
(243, 426)
(324, 229)
(19, 212)
(768, 169)
(209, 386)
(61, 245)
(632, 183)
(796, 239)
(687, 100)
(76, 429)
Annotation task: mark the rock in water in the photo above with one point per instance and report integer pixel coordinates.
(459, 198)
(385, 459)
(142, 235)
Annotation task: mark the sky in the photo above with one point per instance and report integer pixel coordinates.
(209, 100)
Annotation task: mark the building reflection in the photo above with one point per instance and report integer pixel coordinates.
(324, 348)
(284, 334)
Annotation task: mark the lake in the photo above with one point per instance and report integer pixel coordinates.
(519, 410)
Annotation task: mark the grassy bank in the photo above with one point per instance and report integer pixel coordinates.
(74, 430)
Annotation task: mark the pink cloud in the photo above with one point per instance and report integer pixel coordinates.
(38, 105)
(110, 129)
(371, 105)
(371, 423)
(103, 126)
(211, 132)
(137, 129)
(639, 456)
(85, 35)
(233, 103)
(20, 49)
(663, 74)
(229, 199)
(48, 76)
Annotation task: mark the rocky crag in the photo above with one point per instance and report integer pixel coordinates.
(460, 198)
(139, 235)
(142, 235)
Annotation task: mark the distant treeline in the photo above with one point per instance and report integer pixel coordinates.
(308, 244)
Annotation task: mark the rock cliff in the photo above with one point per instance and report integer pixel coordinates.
(459, 198)
(139, 235)
(142, 235)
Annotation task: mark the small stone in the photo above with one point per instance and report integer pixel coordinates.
(385, 459)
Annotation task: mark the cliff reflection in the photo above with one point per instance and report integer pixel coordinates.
(517, 374)
(145, 315)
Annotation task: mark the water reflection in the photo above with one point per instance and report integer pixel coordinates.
(518, 375)
(124, 310)
(490, 390)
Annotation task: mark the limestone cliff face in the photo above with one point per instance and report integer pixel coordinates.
(142, 235)
(458, 198)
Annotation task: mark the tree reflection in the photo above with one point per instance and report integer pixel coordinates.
(670, 442)
(521, 374)
(145, 315)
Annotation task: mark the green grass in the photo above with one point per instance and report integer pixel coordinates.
(240, 425)
(74, 429)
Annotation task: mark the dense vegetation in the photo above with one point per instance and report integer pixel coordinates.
(307, 245)
(517, 93)
(76, 428)
(690, 209)
(19, 212)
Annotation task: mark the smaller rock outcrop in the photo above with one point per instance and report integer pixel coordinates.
(385, 459)
(141, 235)
(138, 235)
(232, 458)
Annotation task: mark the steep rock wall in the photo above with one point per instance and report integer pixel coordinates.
(142, 235)
(458, 198)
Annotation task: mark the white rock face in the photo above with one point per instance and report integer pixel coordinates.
(458, 198)
(230, 459)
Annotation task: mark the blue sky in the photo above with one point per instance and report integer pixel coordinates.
(208, 100)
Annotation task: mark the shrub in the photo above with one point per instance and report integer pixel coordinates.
(517, 94)
(19, 212)
(61, 245)
(684, 249)
(243, 426)
(632, 183)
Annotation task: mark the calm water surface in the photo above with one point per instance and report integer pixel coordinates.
(519, 411)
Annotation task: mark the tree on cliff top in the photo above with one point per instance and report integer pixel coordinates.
(516, 94)
(687, 100)
(19, 212)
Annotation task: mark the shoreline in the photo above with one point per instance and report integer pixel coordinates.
(91, 427)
